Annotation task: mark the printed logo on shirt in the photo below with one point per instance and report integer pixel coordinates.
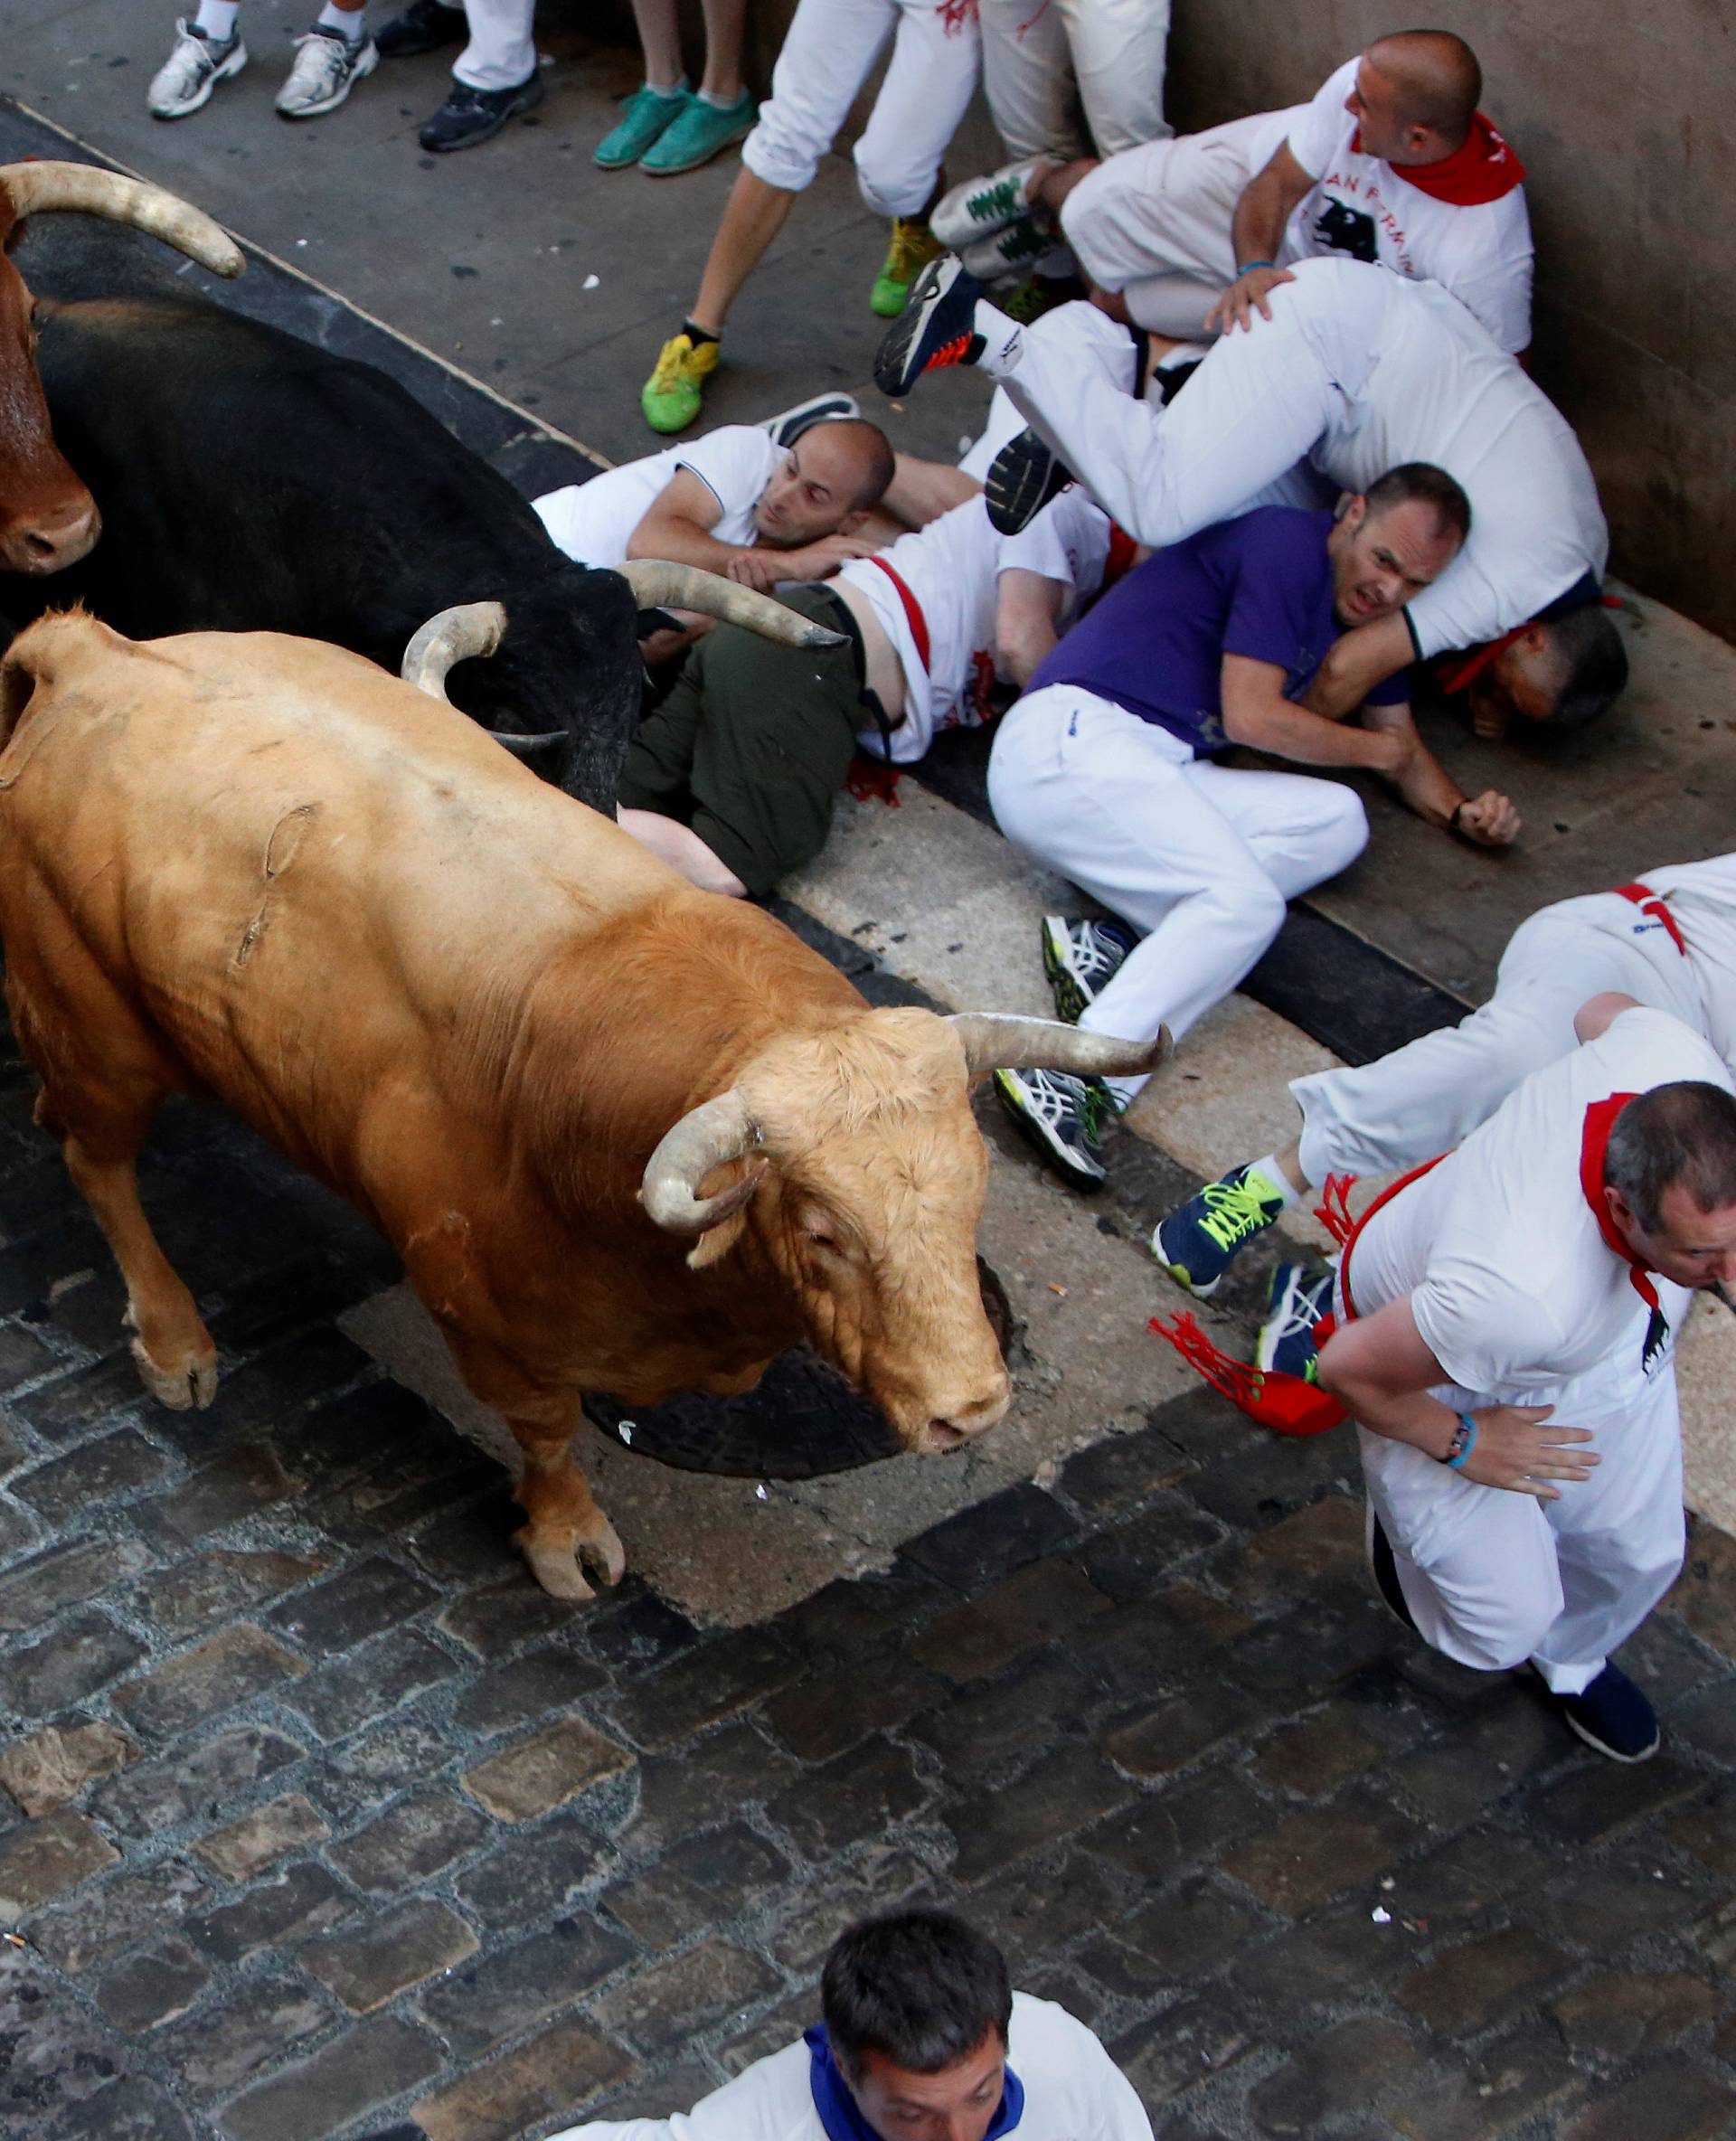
(1348, 230)
(1656, 1347)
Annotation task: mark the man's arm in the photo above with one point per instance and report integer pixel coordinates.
(1380, 1371)
(1266, 204)
(677, 526)
(1356, 662)
(1256, 713)
(1426, 787)
(1027, 605)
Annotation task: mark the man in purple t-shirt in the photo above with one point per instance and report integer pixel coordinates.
(1105, 768)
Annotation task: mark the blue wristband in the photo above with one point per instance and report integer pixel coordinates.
(1464, 1443)
(1248, 266)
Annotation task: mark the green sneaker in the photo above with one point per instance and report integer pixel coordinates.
(646, 115)
(702, 132)
(913, 246)
(671, 397)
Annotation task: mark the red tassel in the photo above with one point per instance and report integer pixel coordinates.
(1333, 1210)
(871, 781)
(1284, 1403)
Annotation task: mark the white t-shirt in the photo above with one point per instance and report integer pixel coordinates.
(1073, 2091)
(594, 521)
(1702, 901)
(1364, 209)
(952, 570)
(1438, 390)
(1512, 1285)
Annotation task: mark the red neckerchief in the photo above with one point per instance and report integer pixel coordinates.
(1599, 1120)
(1455, 675)
(1481, 168)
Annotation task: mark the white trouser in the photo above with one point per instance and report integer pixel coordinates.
(1200, 858)
(502, 53)
(1096, 341)
(1154, 223)
(1430, 1096)
(1494, 1578)
(1250, 412)
(829, 51)
(1034, 50)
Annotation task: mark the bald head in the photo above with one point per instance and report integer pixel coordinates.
(832, 477)
(1426, 83)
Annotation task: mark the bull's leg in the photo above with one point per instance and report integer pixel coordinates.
(565, 1526)
(171, 1345)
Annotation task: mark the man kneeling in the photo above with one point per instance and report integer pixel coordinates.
(1104, 769)
(924, 2037)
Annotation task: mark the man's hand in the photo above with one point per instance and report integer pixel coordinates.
(1245, 297)
(1488, 819)
(763, 569)
(1519, 1447)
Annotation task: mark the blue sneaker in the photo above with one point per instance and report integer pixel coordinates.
(935, 327)
(1061, 1115)
(1081, 959)
(1200, 1239)
(1612, 1716)
(1294, 1303)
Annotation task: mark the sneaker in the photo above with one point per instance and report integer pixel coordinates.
(981, 206)
(1081, 959)
(192, 72)
(645, 114)
(1009, 252)
(1385, 1569)
(935, 327)
(1197, 1242)
(1612, 1716)
(1060, 1115)
(470, 117)
(1022, 479)
(1294, 1303)
(787, 427)
(913, 246)
(327, 66)
(1038, 295)
(701, 132)
(671, 397)
(424, 27)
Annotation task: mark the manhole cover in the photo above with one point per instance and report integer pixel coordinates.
(803, 1420)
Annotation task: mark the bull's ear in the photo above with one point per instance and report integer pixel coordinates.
(716, 1244)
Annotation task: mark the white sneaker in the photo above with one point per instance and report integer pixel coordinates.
(327, 65)
(193, 69)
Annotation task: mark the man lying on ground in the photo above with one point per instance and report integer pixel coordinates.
(733, 779)
(1355, 372)
(1105, 768)
(922, 2040)
(1505, 1337)
(1391, 163)
(1668, 940)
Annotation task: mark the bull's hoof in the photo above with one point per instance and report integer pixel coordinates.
(191, 1382)
(554, 1568)
(603, 1552)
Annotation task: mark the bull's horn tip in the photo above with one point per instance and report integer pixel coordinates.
(817, 635)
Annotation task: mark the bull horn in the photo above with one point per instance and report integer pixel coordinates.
(993, 1041)
(450, 636)
(658, 585)
(705, 1137)
(36, 189)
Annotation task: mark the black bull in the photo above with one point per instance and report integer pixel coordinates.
(249, 481)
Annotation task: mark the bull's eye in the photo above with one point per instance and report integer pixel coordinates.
(819, 1235)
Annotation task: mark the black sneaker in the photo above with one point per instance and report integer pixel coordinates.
(1385, 1569)
(424, 27)
(1060, 1115)
(1022, 479)
(935, 327)
(1080, 959)
(1612, 1716)
(469, 117)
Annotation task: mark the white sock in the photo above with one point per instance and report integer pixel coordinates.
(657, 90)
(1275, 1176)
(719, 103)
(1005, 339)
(351, 23)
(216, 18)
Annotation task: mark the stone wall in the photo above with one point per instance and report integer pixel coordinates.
(1630, 140)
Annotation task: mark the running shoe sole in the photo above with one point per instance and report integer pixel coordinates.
(1179, 1272)
(1041, 1135)
(934, 327)
(1022, 479)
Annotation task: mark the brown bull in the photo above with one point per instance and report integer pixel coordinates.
(48, 519)
(624, 1135)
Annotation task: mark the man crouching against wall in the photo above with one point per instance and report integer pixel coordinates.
(923, 2040)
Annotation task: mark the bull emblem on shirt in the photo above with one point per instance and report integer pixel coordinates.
(1343, 229)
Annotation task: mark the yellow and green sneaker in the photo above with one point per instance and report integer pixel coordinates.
(671, 397)
(913, 246)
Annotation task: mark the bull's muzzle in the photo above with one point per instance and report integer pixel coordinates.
(962, 1423)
